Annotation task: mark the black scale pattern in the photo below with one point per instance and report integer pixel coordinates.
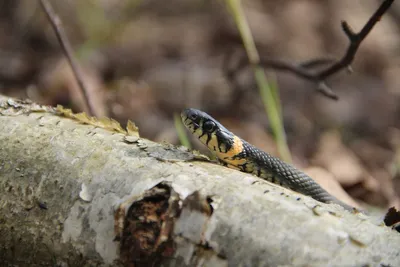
(287, 175)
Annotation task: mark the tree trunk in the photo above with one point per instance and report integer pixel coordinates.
(74, 194)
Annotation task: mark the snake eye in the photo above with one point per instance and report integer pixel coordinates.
(193, 117)
(209, 126)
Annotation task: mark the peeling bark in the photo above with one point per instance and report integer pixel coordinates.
(80, 195)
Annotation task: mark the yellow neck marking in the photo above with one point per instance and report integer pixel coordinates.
(236, 148)
(227, 156)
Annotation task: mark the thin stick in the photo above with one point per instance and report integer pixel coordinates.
(65, 45)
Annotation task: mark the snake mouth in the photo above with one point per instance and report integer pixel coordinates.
(188, 122)
(190, 125)
(185, 119)
(184, 116)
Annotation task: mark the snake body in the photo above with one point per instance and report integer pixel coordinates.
(234, 152)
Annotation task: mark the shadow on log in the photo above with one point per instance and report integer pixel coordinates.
(74, 194)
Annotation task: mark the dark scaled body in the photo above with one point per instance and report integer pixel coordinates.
(277, 171)
(234, 152)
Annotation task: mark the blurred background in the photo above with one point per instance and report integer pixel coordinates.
(146, 60)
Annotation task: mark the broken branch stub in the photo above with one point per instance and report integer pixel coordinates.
(161, 227)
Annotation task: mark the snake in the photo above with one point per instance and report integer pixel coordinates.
(234, 152)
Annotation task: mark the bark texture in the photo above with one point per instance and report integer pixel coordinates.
(79, 195)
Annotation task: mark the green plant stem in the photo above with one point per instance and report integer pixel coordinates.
(180, 129)
(270, 96)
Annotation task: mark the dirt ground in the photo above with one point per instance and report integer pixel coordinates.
(146, 60)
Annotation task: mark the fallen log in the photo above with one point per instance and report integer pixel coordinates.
(76, 191)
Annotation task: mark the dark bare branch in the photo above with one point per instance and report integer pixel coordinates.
(66, 46)
(355, 41)
(326, 66)
(313, 63)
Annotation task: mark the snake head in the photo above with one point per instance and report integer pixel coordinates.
(192, 118)
(200, 123)
(210, 132)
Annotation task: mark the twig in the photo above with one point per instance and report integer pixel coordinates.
(306, 70)
(65, 45)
